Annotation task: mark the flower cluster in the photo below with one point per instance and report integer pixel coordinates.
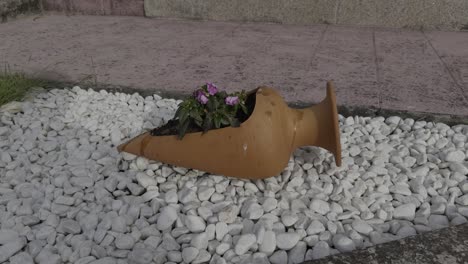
(210, 108)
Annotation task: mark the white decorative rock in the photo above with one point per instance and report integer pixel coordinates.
(195, 223)
(221, 230)
(268, 244)
(203, 257)
(124, 242)
(289, 218)
(438, 221)
(222, 248)
(167, 218)
(21, 258)
(287, 241)
(405, 212)
(343, 243)
(252, 210)
(205, 192)
(145, 181)
(455, 156)
(315, 227)
(199, 241)
(279, 257)
(320, 206)
(269, 204)
(320, 250)
(362, 227)
(462, 200)
(244, 243)
(297, 254)
(116, 136)
(406, 231)
(9, 249)
(7, 236)
(189, 254)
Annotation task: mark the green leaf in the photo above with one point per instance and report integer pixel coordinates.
(183, 128)
(210, 105)
(224, 121)
(222, 94)
(234, 122)
(177, 113)
(244, 108)
(196, 115)
(215, 103)
(184, 114)
(207, 123)
(217, 121)
(199, 123)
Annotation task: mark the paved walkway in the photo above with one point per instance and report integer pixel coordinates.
(372, 68)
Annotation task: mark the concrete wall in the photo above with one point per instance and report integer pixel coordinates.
(96, 7)
(429, 14)
(415, 14)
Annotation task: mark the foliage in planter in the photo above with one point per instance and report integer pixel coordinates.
(208, 108)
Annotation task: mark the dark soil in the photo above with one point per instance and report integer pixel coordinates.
(170, 128)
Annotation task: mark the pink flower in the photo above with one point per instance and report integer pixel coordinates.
(232, 100)
(201, 97)
(212, 89)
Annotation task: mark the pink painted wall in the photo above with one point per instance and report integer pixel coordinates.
(96, 7)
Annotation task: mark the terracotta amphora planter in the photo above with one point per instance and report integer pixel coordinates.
(260, 148)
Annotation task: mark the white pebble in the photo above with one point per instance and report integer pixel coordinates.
(320, 206)
(268, 244)
(279, 257)
(315, 227)
(252, 210)
(189, 254)
(343, 243)
(10, 248)
(287, 241)
(244, 243)
(167, 218)
(362, 227)
(221, 230)
(455, 156)
(405, 212)
(195, 223)
(320, 250)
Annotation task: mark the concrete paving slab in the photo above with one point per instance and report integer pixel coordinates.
(373, 68)
(412, 76)
(346, 55)
(453, 51)
(281, 58)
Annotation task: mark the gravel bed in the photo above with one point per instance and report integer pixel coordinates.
(68, 196)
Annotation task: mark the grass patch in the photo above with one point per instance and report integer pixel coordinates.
(14, 86)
